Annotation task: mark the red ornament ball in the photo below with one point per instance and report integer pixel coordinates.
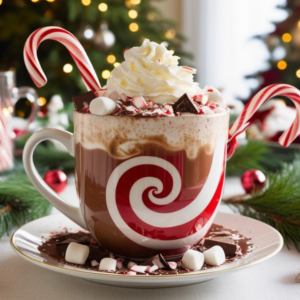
(253, 180)
(56, 179)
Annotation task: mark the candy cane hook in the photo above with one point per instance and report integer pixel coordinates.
(261, 97)
(71, 43)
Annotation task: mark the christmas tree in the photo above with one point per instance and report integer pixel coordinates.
(284, 47)
(105, 28)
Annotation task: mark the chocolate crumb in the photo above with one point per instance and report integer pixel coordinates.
(83, 98)
(185, 105)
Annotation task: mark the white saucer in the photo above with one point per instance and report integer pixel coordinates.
(267, 242)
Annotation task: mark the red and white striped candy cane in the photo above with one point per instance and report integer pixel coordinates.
(71, 43)
(6, 144)
(261, 97)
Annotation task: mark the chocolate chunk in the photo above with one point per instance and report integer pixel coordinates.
(97, 254)
(229, 248)
(159, 261)
(80, 99)
(61, 249)
(185, 104)
(79, 240)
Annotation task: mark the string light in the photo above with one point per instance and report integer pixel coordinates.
(88, 33)
(135, 2)
(50, 0)
(34, 1)
(67, 68)
(132, 14)
(286, 37)
(86, 2)
(128, 3)
(116, 64)
(105, 74)
(6, 112)
(42, 101)
(1, 2)
(10, 109)
(298, 73)
(111, 58)
(170, 34)
(133, 27)
(281, 65)
(102, 7)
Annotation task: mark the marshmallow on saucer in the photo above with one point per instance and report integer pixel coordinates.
(214, 256)
(102, 106)
(193, 260)
(214, 95)
(77, 253)
(108, 264)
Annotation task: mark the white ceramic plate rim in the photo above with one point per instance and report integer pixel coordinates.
(102, 276)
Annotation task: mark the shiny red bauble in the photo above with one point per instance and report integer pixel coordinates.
(253, 180)
(56, 179)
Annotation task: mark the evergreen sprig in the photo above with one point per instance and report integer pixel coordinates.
(20, 202)
(278, 204)
(253, 155)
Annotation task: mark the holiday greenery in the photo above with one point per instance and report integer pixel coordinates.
(105, 28)
(284, 47)
(278, 204)
(20, 202)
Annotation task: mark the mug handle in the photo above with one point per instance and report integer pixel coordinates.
(66, 138)
(31, 95)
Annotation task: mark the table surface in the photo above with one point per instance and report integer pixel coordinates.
(272, 279)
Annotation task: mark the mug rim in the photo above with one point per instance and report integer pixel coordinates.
(221, 114)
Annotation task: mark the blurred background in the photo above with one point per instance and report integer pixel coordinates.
(225, 40)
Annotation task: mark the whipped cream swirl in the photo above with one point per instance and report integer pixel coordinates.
(152, 71)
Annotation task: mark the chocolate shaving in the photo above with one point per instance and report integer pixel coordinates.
(185, 105)
(83, 98)
(229, 248)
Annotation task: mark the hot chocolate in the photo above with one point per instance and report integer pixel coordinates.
(149, 185)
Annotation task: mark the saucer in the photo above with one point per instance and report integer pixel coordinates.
(25, 241)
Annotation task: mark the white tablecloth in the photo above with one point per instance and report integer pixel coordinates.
(273, 279)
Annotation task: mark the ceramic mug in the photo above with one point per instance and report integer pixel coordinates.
(145, 185)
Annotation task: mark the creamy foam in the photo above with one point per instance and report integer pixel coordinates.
(124, 137)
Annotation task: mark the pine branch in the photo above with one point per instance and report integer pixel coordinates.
(253, 155)
(20, 202)
(278, 204)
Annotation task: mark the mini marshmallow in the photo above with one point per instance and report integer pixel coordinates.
(102, 106)
(214, 256)
(108, 264)
(214, 95)
(77, 253)
(193, 260)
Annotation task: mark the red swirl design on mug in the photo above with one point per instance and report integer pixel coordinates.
(147, 203)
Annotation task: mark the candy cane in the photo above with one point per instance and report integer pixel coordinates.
(71, 43)
(261, 97)
(6, 146)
